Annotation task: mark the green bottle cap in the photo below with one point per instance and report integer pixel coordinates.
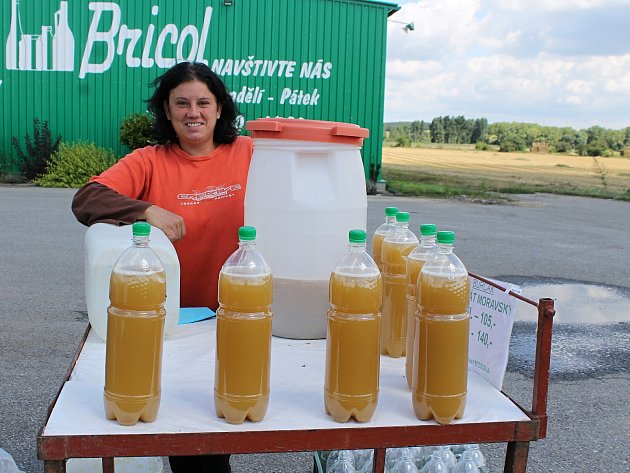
(446, 238)
(247, 233)
(141, 229)
(402, 217)
(356, 236)
(428, 229)
(391, 211)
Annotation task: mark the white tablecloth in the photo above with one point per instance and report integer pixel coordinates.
(296, 397)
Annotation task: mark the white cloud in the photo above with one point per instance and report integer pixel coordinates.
(514, 61)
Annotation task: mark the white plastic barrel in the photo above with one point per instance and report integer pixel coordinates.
(104, 243)
(305, 191)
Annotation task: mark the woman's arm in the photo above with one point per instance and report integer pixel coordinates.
(96, 202)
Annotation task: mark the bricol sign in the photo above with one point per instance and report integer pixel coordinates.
(54, 48)
(492, 313)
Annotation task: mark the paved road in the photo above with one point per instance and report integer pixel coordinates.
(540, 237)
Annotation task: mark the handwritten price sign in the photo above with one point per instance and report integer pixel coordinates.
(492, 314)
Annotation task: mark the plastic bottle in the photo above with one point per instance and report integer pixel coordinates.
(135, 332)
(415, 261)
(397, 245)
(477, 456)
(435, 464)
(466, 464)
(441, 341)
(404, 463)
(364, 460)
(448, 457)
(352, 344)
(381, 232)
(243, 345)
(343, 462)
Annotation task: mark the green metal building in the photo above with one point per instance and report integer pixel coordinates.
(83, 66)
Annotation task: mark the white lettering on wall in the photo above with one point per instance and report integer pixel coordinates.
(117, 38)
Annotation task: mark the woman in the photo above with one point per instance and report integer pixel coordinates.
(191, 186)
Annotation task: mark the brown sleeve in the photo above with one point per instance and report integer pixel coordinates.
(96, 202)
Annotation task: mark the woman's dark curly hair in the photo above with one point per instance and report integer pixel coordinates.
(225, 131)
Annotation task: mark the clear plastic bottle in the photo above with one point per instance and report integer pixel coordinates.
(342, 462)
(435, 464)
(440, 359)
(353, 343)
(404, 463)
(447, 455)
(135, 332)
(381, 231)
(466, 464)
(397, 245)
(415, 261)
(243, 346)
(364, 460)
(477, 456)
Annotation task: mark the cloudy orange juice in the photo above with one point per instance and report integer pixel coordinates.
(396, 246)
(353, 335)
(243, 343)
(415, 262)
(135, 332)
(440, 362)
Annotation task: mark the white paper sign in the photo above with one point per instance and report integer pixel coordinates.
(492, 314)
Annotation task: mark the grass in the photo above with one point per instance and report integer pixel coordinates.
(493, 177)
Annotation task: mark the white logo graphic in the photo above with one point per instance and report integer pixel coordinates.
(211, 193)
(20, 53)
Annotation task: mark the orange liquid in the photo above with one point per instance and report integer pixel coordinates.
(243, 348)
(414, 267)
(352, 347)
(133, 360)
(377, 246)
(440, 369)
(394, 309)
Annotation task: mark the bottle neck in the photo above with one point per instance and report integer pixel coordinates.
(427, 241)
(403, 224)
(445, 248)
(356, 247)
(141, 241)
(246, 244)
(391, 219)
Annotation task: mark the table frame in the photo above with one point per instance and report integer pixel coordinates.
(56, 450)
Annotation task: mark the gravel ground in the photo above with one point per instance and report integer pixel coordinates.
(539, 238)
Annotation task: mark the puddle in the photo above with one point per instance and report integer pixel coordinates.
(576, 302)
(591, 328)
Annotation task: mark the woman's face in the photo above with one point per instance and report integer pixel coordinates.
(193, 112)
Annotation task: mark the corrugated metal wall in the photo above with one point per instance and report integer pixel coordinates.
(262, 47)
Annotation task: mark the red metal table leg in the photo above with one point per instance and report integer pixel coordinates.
(108, 464)
(516, 457)
(55, 466)
(379, 460)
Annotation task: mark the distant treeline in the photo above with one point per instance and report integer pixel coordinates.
(509, 137)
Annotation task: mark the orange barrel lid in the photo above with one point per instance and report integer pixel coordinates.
(307, 130)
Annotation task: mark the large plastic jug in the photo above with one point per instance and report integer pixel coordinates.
(305, 191)
(353, 342)
(135, 333)
(104, 243)
(440, 361)
(243, 345)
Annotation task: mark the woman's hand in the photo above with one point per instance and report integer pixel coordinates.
(171, 224)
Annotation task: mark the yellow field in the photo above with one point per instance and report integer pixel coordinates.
(525, 168)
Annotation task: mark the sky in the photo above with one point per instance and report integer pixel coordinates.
(551, 62)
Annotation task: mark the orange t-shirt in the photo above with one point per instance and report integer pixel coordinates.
(207, 191)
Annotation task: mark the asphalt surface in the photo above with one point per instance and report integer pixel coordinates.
(536, 240)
